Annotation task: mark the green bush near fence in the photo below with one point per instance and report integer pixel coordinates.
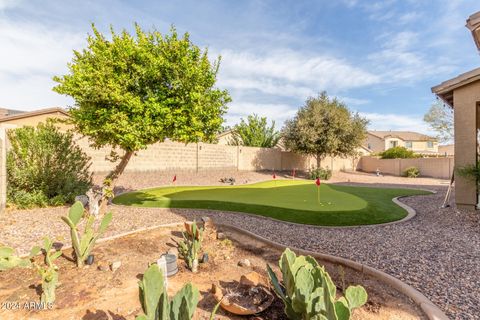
(45, 167)
(411, 172)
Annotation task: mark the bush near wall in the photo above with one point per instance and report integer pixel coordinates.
(411, 172)
(398, 153)
(323, 174)
(45, 167)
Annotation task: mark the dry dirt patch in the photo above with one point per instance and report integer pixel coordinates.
(92, 294)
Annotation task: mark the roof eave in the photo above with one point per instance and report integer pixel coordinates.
(445, 90)
(34, 113)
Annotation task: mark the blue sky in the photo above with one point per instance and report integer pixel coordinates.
(380, 57)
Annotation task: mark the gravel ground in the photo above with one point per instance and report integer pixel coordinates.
(437, 252)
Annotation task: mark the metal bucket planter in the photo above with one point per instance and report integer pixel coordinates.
(171, 260)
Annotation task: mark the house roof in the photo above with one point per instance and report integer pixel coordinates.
(4, 112)
(445, 90)
(403, 135)
(224, 133)
(473, 24)
(34, 113)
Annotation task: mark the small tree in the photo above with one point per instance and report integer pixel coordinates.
(133, 91)
(440, 119)
(45, 167)
(325, 126)
(254, 132)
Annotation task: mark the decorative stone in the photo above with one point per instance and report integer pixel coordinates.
(103, 266)
(83, 199)
(115, 265)
(250, 279)
(244, 263)
(221, 236)
(209, 230)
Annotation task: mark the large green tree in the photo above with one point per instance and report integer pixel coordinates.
(131, 91)
(255, 132)
(440, 119)
(325, 127)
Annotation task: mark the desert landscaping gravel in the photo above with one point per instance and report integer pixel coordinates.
(437, 252)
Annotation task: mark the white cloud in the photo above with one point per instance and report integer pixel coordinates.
(391, 121)
(401, 59)
(409, 17)
(278, 112)
(6, 4)
(31, 55)
(291, 73)
(353, 101)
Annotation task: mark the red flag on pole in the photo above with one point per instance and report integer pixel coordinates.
(274, 176)
(174, 178)
(317, 182)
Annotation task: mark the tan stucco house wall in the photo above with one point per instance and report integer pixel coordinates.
(462, 93)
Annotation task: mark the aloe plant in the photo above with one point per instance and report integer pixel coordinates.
(84, 243)
(9, 260)
(48, 271)
(154, 298)
(309, 293)
(189, 247)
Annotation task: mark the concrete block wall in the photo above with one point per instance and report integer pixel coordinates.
(441, 168)
(169, 156)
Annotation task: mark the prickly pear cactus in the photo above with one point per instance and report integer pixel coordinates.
(154, 298)
(9, 260)
(308, 292)
(48, 272)
(83, 243)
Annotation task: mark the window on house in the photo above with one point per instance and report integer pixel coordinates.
(393, 144)
(429, 144)
(408, 144)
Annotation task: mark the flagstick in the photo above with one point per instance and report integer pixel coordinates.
(318, 194)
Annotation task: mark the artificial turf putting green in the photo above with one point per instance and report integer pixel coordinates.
(288, 200)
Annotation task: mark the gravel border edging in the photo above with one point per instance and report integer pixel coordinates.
(429, 309)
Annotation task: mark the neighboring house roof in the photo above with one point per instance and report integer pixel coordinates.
(224, 133)
(403, 135)
(33, 113)
(4, 112)
(473, 24)
(449, 149)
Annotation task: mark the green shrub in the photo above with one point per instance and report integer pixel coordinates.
(25, 199)
(308, 292)
(323, 174)
(471, 172)
(411, 172)
(45, 167)
(398, 153)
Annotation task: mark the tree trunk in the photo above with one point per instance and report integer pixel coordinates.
(111, 179)
(319, 161)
